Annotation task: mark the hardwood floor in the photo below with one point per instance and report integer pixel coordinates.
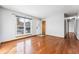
(41, 45)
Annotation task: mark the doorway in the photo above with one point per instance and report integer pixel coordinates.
(70, 27)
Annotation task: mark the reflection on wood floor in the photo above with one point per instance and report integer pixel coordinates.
(41, 45)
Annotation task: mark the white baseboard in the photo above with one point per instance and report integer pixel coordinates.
(17, 38)
(56, 35)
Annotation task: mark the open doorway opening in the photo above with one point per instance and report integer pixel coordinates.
(71, 27)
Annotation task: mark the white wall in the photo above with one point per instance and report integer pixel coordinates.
(8, 24)
(71, 26)
(55, 25)
(0, 25)
(78, 29)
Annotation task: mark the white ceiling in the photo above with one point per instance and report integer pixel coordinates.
(43, 11)
(71, 9)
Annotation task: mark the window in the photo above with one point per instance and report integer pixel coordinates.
(38, 26)
(20, 26)
(23, 26)
(27, 26)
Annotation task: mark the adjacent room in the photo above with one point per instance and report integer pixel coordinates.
(39, 29)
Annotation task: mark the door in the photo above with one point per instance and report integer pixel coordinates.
(43, 27)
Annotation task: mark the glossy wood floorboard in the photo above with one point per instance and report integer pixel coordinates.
(41, 45)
